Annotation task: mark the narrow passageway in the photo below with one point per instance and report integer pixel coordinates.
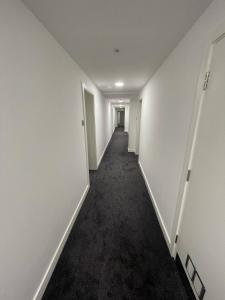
(116, 249)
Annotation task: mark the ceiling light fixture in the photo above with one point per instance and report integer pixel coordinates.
(119, 84)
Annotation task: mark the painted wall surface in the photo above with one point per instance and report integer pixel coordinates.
(90, 130)
(168, 103)
(110, 118)
(42, 147)
(113, 117)
(133, 124)
(127, 118)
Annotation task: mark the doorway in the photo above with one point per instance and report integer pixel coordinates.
(201, 242)
(89, 129)
(138, 126)
(120, 115)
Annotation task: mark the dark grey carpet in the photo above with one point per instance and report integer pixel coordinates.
(116, 249)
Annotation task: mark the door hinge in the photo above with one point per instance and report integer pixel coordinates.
(176, 239)
(206, 81)
(188, 175)
(82, 123)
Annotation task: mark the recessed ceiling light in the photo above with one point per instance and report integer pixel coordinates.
(119, 84)
(120, 101)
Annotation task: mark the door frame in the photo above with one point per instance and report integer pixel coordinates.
(193, 135)
(84, 89)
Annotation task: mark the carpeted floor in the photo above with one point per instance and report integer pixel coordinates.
(116, 249)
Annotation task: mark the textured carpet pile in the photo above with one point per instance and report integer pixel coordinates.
(116, 249)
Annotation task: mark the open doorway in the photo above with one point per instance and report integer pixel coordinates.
(89, 129)
(122, 106)
(120, 117)
(138, 126)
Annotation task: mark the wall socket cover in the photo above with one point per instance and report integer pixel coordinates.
(198, 285)
(195, 278)
(190, 269)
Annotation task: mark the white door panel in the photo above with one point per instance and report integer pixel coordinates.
(202, 234)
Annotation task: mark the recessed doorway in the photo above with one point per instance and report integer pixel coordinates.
(89, 129)
(120, 117)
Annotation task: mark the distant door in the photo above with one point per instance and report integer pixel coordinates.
(202, 234)
(90, 129)
(122, 117)
(138, 126)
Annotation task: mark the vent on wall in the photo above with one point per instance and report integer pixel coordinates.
(195, 278)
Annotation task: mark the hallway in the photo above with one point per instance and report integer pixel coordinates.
(111, 116)
(116, 249)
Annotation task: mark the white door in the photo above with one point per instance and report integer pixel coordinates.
(202, 234)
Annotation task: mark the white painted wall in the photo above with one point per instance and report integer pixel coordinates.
(90, 130)
(132, 123)
(127, 118)
(111, 118)
(42, 148)
(168, 104)
(138, 126)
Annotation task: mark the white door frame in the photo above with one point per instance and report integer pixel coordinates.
(193, 133)
(85, 88)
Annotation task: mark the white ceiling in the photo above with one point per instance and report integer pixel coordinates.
(145, 31)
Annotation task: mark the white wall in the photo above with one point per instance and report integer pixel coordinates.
(133, 123)
(110, 118)
(42, 152)
(138, 126)
(90, 130)
(168, 103)
(127, 118)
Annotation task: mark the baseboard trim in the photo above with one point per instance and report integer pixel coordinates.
(131, 150)
(160, 219)
(101, 157)
(48, 273)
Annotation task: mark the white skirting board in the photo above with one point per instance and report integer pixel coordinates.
(47, 275)
(160, 219)
(131, 150)
(100, 159)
